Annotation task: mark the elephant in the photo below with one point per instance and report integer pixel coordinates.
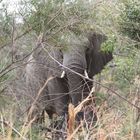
(83, 54)
(79, 58)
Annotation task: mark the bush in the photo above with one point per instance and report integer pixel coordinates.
(130, 25)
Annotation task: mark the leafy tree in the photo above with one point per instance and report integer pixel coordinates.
(60, 20)
(131, 19)
(5, 24)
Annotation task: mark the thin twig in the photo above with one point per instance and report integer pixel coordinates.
(8, 66)
(18, 37)
(31, 108)
(30, 29)
(12, 38)
(14, 129)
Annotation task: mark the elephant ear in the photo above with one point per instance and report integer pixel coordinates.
(96, 59)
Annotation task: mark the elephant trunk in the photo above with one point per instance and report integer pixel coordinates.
(75, 60)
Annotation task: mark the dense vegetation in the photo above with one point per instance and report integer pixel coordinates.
(58, 21)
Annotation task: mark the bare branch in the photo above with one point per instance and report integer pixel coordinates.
(12, 38)
(18, 37)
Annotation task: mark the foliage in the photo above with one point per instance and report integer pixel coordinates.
(5, 24)
(59, 21)
(109, 45)
(131, 19)
(128, 62)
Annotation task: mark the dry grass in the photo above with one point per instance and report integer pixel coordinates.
(114, 123)
(117, 120)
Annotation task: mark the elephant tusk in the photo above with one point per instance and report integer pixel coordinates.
(63, 74)
(86, 74)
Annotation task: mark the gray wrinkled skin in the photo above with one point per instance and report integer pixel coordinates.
(82, 54)
(39, 69)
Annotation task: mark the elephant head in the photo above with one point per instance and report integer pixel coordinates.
(80, 58)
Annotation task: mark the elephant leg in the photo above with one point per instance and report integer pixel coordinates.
(58, 90)
(59, 99)
(79, 91)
